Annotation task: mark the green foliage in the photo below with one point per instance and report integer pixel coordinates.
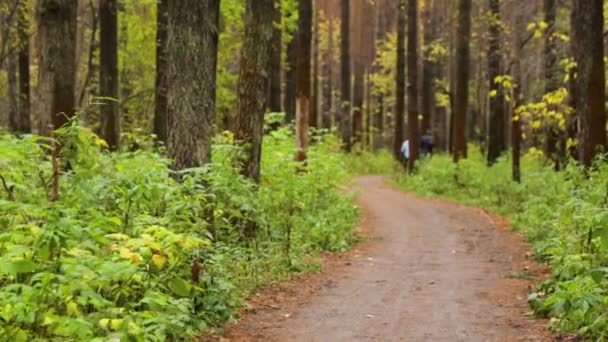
(129, 253)
(562, 213)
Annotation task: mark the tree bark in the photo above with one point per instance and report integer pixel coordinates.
(496, 133)
(551, 72)
(303, 61)
(328, 85)
(314, 108)
(412, 89)
(274, 88)
(57, 65)
(461, 91)
(400, 80)
(108, 72)
(588, 51)
(24, 124)
(345, 120)
(428, 69)
(289, 100)
(160, 95)
(12, 93)
(192, 43)
(253, 78)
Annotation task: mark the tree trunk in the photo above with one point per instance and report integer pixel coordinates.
(358, 93)
(400, 80)
(160, 97)
(344, 122)
(192, 42)
(274, 88)
(289, 103)
(255, 62)
(314, 108)
(461, 90)
(328, 85)
(304, 40)
(57, 66)
(428, 69)
(412, 89)
(108, 75)
(588, 51)
(12, 94)
(496, 136)
(551, 80)
(24, 124)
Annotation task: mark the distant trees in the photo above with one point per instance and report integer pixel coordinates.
(253, 80)
(192, 46)
(587, 39)
(23, 124)
(160, 122)
(57, 65)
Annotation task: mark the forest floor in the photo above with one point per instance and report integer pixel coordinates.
(431, 270)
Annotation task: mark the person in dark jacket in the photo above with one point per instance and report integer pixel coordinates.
(426, 144)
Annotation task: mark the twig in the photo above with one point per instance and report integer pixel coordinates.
(9, 190)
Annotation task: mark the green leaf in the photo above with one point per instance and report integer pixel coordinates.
(180, 287)
(17, 266)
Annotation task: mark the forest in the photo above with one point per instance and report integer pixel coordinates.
(162, 161)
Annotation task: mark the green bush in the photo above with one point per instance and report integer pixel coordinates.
(563, 213)
(127, 252)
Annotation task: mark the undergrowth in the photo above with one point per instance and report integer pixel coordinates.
(564, 214)
(128, 253)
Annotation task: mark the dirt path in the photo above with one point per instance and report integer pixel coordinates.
(433, 271)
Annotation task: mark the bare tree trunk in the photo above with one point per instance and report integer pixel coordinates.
(57, 66)
(412, 89)
(192, 42)
(314, 107)
(13, 94)
(160, 97)
(274, 88)
(461, 91)
(289, 104)
(400, 80)
(304, 40)
(428, 69)
(24, 122)
(588, 51)
(496, 137)
(108, 76)
(345, 120)
(253, 78)
(551, 71)
(328, 85)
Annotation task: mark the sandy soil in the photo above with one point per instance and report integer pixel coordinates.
(431, 271)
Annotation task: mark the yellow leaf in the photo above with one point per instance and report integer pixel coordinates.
(125, 253)
(116, 323)
(103, 323)
(135, 258)
(159, 260)
(117, 236)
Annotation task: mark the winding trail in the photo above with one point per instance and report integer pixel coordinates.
(432, 271)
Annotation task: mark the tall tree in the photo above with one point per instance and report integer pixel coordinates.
(412, 89)
(314, 106)
(108, 72)
(428, 67)
(328, 84)
(160, 94)
(357, 29)
(23, 30)
(496, 133)
(345, 120)
(461, 90)
(400, 80)
(192, 43)
(253, 78)
(12, 93)
(289, 103)
(57, 65)
(274, 87)
(588, 51)
(304, 41)
(551, 77)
